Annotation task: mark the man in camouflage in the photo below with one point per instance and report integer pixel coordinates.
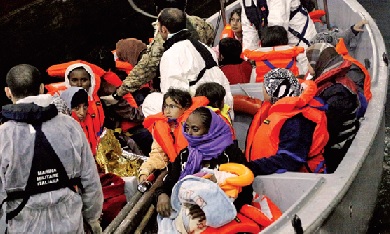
(146, 68)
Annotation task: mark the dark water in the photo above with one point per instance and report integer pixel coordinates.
(380, 223)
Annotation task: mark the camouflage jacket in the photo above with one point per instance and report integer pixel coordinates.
(146, 68)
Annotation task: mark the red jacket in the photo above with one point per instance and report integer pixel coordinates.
(237, 73)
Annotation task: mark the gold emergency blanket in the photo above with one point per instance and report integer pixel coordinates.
(111, 158)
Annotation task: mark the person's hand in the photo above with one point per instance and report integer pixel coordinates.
(359, 26)
(142, 178)
(95, 227)
(164, 205)
(196, 212)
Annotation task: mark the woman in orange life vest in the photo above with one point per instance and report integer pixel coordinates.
(275, 52)
(235, 22)
(215, 93)
(210, 144)
(76, 99)
(232, 65)
(294, 133)
(166, 128)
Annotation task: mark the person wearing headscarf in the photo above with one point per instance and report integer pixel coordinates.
(210, 144)
(129, 50)
(339, 92)
(293, 135)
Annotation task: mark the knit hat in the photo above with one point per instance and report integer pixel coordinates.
(314, 51)
(128, 50)
(323, 57)
(281, 83)
(325, 37)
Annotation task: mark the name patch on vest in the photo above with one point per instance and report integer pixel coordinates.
(49, 176)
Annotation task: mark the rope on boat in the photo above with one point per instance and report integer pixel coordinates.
(139, 10)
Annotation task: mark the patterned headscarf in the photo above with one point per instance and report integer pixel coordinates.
(314, 51)
(129, 49)
(281, 83)
(326, 37)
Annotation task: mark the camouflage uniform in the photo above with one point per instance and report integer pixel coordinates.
(146, 68)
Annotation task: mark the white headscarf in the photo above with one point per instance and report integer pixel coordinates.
(90, 72)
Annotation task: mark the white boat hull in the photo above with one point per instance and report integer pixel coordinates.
(342, 202)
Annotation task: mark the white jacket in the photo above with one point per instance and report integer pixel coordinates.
(181, 64)
(59, 211)
(279, 15)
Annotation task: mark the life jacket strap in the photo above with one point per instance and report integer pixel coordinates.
(301, 35)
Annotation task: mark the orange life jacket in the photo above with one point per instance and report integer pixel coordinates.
(55, 88)
(124, 66)
(263, 211)
(95, 108)
(172, 142)
(266, 139)
(227, 32)
(342, 49)
(277, 57)
(90, 133)
(316, 15)
(250, 219)
(259, 117)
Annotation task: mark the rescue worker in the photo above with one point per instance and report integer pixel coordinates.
(290, 14)
(146, 69)
(294, 133)
(186, 63)
(49, 179)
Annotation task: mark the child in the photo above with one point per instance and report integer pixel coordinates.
(232, 65)
(166, 128)
(76, 99)
(276, 53)
(215, 93)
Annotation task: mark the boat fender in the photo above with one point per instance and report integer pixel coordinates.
(245, 104)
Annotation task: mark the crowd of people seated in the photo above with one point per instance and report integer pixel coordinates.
(171, 102)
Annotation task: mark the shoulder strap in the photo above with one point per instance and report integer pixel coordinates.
(47, 173)
(207, 57)
(257, 15)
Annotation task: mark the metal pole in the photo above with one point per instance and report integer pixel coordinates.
(327, 14)
(134, 217)
(145, 220)
(223, 12)
(123, 213)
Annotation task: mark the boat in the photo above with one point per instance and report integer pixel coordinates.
(344, 201)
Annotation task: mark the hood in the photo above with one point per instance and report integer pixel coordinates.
(216, 205)
(91, 90)
(68, 94)
(29, 112)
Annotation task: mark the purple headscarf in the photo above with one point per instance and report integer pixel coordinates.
(207, 146)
